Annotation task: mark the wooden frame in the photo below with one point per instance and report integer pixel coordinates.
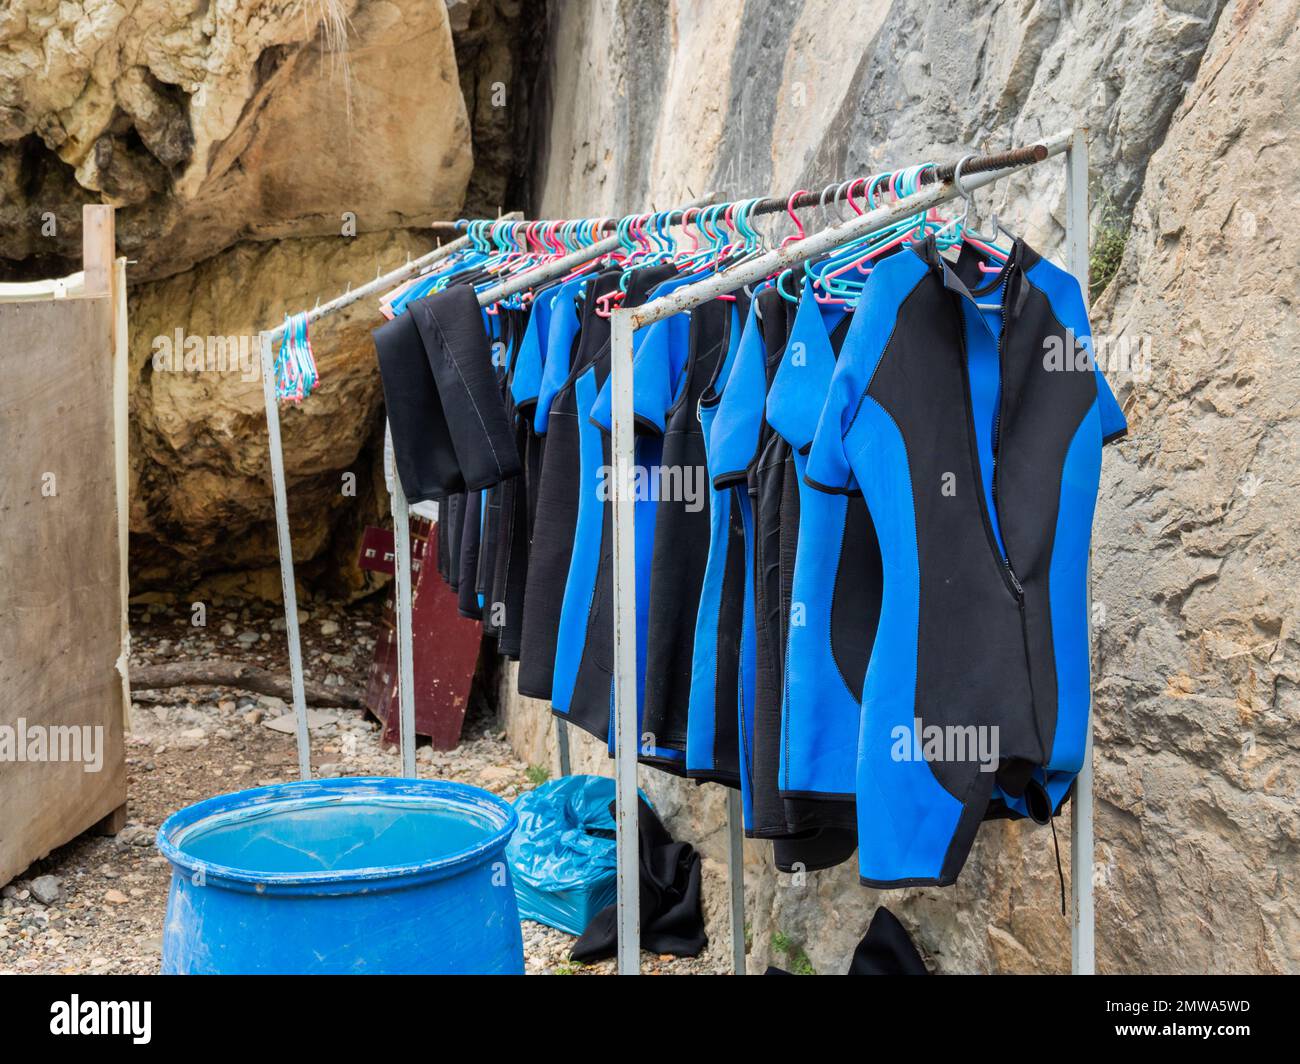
(63, 583)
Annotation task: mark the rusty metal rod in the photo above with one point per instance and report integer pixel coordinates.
(1032, 153)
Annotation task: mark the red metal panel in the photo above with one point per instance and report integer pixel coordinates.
(445, 650)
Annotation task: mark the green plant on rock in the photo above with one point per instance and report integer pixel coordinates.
(795, 956)
(537, 774)
(1108, 239)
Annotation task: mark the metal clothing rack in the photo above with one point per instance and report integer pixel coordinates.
(625, 321)
(401, 531)
(976, 172)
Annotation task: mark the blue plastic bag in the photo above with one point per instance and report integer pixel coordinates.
(562, 854)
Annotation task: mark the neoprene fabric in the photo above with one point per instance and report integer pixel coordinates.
(920, 435)
(426, 460)
(456, 344)
(671, 918)
(444, 403)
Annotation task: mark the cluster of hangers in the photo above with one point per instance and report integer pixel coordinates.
(720, 235)
(295, 364)
(840, 277)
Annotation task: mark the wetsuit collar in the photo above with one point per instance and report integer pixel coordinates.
(1022, 256)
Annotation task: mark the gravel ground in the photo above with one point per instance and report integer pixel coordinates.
(96, 905)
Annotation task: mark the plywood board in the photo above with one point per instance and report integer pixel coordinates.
(61, 695)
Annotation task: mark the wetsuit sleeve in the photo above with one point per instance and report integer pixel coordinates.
(652, 385)
(600, 410)
(828, 466)
(1063, 292)
(733, 442)
(1114, 425)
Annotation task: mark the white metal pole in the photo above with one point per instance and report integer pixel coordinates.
(285, 544)
(393, 277)
(562, 747)
(1083, 951)
(402, 610)
(626, 739)
(555, 268)
(736, 878)
(284, 536)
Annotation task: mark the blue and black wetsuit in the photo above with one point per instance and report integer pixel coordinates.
(556, 417)
(659, 355)
(979, 461)
(507, 573)
(491, 584)
(666, 400)
(526, 384)
(767, 477)
(833, 601)
(720, 715)
(747, 457)
(584, 657)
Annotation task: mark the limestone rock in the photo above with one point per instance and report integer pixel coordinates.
(201, 500)
(47, 889)
(262, 163)
(1193, 130)
(1195, 558)
(215, 123)
(814, 96)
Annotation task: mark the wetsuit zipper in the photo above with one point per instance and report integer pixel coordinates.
(1009, 578)
(1004, 554)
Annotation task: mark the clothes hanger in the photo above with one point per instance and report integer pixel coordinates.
(295, 365)
(830, 192)
(786, 275)
(979, 240)
(734, 254)
(394, 301)
(705, 260)
(830, 283)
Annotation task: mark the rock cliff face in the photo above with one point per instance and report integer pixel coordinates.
(1193, 137)
(263, 157)
(1196, 565)
(207, 124)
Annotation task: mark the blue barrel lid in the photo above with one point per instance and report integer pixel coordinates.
(496, 815)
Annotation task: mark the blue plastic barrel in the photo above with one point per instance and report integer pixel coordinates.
(359, 875)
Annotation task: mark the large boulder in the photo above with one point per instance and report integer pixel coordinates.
(212, 123)
(201, 496)
(263, 158)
